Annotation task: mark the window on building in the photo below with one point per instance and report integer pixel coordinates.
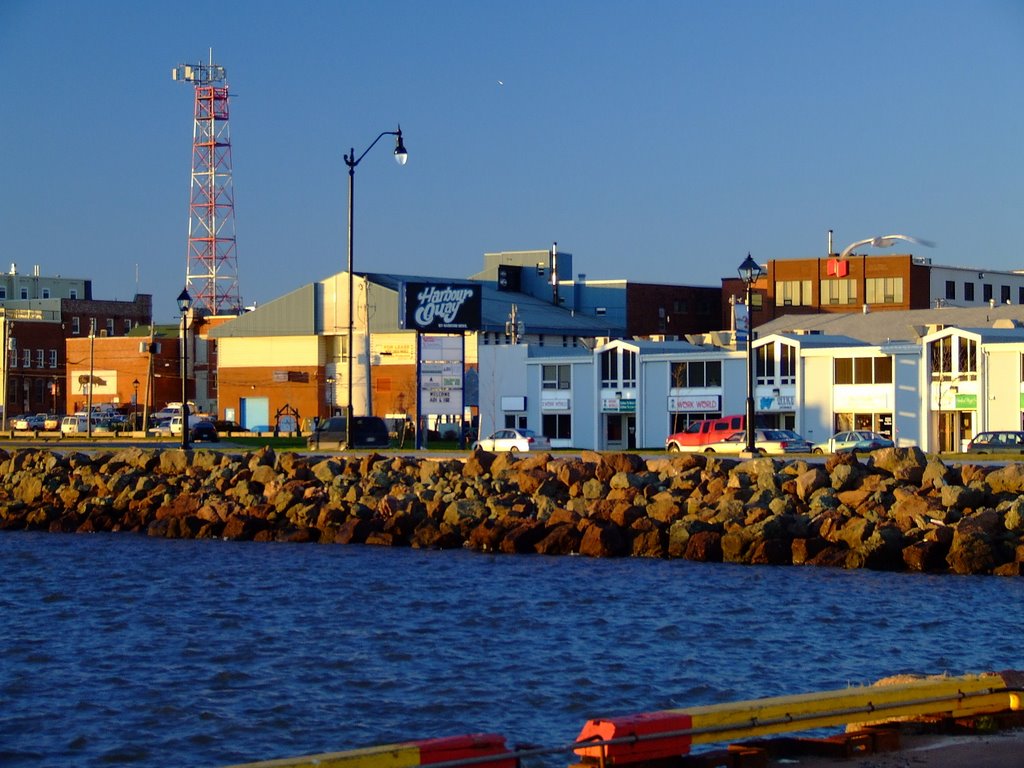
(883, 370)
(46, 293)
(610, 368)
(40, 358)
(968, 291)
(515, 421)
(967, 358)
(787, 364)
(556, 376)
(12, 346)
(986, 292)
(127, 326)
(697, 373)
(862, 370)
(556, 426)
(679, 306)
(73, 293)
(1004, 294)
(942, 358)
(26, 358)
(884, 290)
(765, 364)
(24, 292)
(76, 326)
(3, 291)
(53, 358)
(793, 293)
(1020, 295)
(629, 368)
(110, 326)
(951, 289)
(843, 291)
(756, 300)
(843, 370)
(954, 359)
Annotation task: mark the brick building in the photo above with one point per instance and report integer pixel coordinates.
(35, 332)
(863, 284)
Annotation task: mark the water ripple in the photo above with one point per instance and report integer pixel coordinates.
(124, 650)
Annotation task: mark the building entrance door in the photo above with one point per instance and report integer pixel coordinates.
(613, 431)
(954, 427)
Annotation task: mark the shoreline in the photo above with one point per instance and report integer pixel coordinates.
(894, 509)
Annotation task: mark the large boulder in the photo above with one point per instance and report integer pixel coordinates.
(906, 464)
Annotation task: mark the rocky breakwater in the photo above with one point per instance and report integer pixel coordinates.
(894, 509)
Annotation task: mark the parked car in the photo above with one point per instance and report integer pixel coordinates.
(698, 434)
(203, 432)
(73, 425)
(30, 421)
(1008, 441)
(367, 432)
(224, 425)
(797, 439)
(175, 422)
(773, 442)
(856, 440)
(52, 422)
(513, 440)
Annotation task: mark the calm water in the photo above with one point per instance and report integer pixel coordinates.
(123, 650)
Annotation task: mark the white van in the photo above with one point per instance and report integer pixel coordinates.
(175, 422)
(74, 425)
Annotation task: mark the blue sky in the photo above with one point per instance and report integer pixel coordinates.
(655, 141)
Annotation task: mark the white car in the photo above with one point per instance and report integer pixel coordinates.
(513, 440)
(33, 422)
(772, 442)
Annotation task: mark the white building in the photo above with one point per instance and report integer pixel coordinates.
(932, 378)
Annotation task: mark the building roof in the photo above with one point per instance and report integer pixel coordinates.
(818, 340)
(537, 315)
(901, 325)
(294, 314)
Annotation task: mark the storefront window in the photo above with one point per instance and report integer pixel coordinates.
(557, 426)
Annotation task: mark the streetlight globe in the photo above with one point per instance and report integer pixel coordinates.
(749, 270)
(184, 300)
(401, 155)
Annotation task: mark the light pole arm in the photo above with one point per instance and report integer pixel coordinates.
(352, 163)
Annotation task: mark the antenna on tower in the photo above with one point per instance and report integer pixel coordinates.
(211, 264)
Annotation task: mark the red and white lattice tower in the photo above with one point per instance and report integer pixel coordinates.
(211, 267)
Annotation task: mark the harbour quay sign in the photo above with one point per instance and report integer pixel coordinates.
(449, 307)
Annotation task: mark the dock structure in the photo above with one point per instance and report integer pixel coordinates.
(667, 738)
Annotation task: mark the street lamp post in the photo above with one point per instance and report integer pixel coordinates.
(135, 405)
(184, 304)
(401, 156)
(750, 271)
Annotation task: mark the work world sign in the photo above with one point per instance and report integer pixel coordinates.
(441, 307)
